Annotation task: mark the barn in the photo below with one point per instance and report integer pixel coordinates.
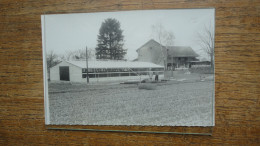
(173, 56)
(102, 70)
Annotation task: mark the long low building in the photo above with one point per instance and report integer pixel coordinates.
(76, 71)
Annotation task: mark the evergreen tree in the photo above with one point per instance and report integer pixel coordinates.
(110, 41)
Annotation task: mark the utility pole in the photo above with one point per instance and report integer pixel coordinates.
(87, 63)
(166, 60)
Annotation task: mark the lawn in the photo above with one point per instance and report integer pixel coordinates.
(175, 103)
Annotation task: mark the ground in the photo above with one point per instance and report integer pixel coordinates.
(183, 101)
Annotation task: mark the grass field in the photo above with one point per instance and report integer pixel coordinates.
(175, 103)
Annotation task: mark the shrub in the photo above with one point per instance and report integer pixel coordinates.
(202, 69)
(147, 86)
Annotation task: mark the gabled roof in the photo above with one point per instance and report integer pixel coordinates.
(149, 42)
(114, 64)
(181, 51)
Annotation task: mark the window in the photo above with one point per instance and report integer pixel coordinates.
(84, 75)
(124, 74)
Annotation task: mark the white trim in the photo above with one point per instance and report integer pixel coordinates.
(45, 78)
(213, 96)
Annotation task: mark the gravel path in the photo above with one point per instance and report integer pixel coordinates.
(182, 104)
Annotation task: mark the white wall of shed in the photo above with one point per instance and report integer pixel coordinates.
(75, 72)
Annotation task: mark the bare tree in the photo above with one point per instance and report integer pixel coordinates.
(62, 57)
(165, 38)
(52, 60)
(79, 54)
(68, 55)
(206, 40)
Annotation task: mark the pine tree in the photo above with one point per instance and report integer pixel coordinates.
(110, 41)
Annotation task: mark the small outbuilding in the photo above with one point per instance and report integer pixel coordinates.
(105, 70)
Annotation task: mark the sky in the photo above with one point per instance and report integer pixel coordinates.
(67, 32)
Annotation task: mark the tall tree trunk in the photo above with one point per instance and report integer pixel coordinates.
(211, 60)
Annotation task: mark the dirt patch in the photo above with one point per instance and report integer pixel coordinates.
(182, 104)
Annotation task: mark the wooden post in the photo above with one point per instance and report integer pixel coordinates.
(87, 63)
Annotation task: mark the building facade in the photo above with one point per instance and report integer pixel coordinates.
(98, 71)
(169, 56)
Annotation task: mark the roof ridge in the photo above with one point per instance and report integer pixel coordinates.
(111, 64)
(151, 40)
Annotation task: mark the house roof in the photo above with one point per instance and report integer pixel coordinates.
(181, 51)
(150, 41)
(114, 64)
(204, 59)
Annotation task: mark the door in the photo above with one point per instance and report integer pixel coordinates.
(64, 73)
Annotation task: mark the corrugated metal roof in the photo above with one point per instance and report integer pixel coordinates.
(114, 64)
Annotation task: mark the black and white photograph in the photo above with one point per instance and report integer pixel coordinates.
(142, 67)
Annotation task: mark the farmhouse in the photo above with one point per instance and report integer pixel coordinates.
(108, 70)
(173, 56)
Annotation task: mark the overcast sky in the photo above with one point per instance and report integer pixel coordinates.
(64, 32)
